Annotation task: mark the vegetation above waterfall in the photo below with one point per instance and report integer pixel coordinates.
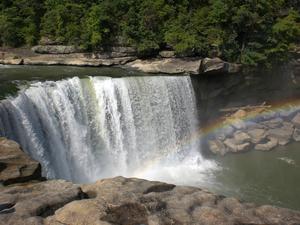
(249, 32)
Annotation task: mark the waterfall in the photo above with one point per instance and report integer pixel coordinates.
(96, 127)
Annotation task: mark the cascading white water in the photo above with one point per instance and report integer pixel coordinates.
(86, 129)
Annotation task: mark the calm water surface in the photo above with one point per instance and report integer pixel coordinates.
(262, 177)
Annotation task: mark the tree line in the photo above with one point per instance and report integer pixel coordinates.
(250, 32)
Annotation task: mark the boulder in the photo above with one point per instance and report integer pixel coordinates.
(273, 123)
(296, 120)
(253, 125)
(167, 54)
(224, 132)
(55, 49)
(296, 134)
(15, 165)
(234, 146)
(217, 147)
(218, 66)
(257, 135)
(282, 134)
(167, 65)
(29, 204)
(271, 143)
(241, 137)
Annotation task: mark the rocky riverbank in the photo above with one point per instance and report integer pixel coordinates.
(120, 200)
(166, 62)
(259, 129)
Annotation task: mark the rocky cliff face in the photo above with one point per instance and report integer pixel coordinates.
(165, 62)
(126, 201)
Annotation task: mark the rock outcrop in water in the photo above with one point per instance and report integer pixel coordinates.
(130, 202)
(263, 133)
(15, 165)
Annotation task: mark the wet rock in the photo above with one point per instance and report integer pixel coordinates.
(271, 143)
(287, 114)
(296, 134)
(257, 135)
(273, 123)
(296, 120)
(253, 125)
(37, 201)
(217, 147)
(282, 134)
(234, 146)
(241, 137)
(167, 65)
(224, 132)
(15, 165)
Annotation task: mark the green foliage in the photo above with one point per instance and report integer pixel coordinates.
(251, 32)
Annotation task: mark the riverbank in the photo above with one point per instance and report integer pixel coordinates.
(165, 62)
(122, 201)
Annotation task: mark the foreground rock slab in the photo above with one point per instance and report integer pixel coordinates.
(15, 165)
(130, 202)
(31, 203)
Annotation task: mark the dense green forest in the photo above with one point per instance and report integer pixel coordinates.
(247, 31)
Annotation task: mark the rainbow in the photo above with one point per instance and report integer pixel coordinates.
(289, 105)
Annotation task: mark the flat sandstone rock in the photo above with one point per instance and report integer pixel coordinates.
(131, 201)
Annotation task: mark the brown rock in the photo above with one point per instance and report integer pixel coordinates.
(167, 65)
(282, 134)
(271, 143)
(217, 147)
(15, 165)
(241, 137)
(257, 135)
(296, 134)
(218, 66)
(234, 146)
(36, 201)
(130, 202)
(296, 120)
